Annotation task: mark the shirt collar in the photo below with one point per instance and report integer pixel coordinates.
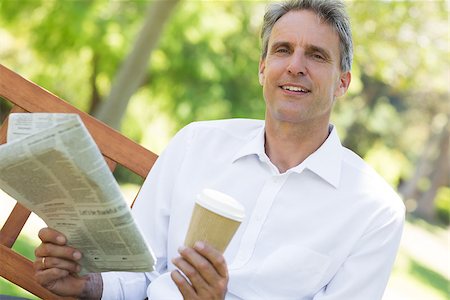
(254, 146)
(324, 162)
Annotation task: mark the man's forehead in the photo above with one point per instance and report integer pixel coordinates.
(304, 24)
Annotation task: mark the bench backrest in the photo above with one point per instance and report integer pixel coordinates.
(26, 96)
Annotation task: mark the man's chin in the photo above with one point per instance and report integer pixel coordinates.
(289, 118)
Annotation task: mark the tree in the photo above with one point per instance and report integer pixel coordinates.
(134, 69)
(205, 67)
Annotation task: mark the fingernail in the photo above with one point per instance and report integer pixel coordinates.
(76, 255)
(60, 239)
(199, 245)
(181, 249)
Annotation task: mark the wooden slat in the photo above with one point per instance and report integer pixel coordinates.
(111, 164)
(112, 144)
(13, 225)
(19, 270)
(117, 149)
(4, 126)
(19, 215)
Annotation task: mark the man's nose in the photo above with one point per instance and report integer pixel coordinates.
(297, 64)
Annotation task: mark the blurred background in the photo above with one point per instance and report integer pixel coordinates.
(149, 68)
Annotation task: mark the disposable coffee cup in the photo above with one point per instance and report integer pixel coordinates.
(215, 219)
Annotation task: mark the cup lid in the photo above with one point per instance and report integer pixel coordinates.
(221, 204)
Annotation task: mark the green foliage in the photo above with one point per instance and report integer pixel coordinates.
(61, 45)
(208, 61)
(10, 289)
(206, 65)
(124, 175)
(5, 107)
(396, 54)
(395, 45)
(25, 247)
(206, 68)
(389, 163)
(443, 205)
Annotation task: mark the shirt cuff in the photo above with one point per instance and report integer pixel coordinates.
(124, 285)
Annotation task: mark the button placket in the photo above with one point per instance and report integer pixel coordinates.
(257, 219)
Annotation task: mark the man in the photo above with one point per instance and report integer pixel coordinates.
(320, 223)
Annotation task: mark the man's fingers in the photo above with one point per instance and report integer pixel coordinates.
(183, 285)
(46, 277)
(206, 270)
(191, 273)
(200, 264)
(214, 256)
(204, 266)
(43, 263)
(49, 235)
(65, 252)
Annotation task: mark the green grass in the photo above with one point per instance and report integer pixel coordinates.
(429, 277)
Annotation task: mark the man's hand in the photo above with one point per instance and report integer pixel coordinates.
(56, 267)
(206, 269)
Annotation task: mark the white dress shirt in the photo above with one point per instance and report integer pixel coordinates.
(326, 229)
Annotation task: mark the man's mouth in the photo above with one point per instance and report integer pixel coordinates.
(292, 88)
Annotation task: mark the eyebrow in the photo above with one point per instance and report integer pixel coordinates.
(309, 49)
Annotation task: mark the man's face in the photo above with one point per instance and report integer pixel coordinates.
(301, 73)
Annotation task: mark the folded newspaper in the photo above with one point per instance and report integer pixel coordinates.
(51, 165)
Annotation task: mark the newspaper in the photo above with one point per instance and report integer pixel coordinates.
(52, 166)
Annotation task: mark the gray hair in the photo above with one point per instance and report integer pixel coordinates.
(331, 12)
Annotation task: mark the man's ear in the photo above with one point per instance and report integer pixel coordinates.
(344, 82)
(262, 66)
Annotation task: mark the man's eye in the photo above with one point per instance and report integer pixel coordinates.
(318, 56)
(282, 50)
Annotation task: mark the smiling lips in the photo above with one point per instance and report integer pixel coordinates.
(294, 88)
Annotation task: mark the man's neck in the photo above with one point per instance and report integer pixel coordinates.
(287, 145)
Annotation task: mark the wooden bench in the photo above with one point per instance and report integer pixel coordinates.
(26, 96)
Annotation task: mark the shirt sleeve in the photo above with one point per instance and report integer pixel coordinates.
(366, 271)
(151, 212)
(152, 208)
(124, 285)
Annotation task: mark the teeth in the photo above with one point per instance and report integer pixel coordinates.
(294, 89)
